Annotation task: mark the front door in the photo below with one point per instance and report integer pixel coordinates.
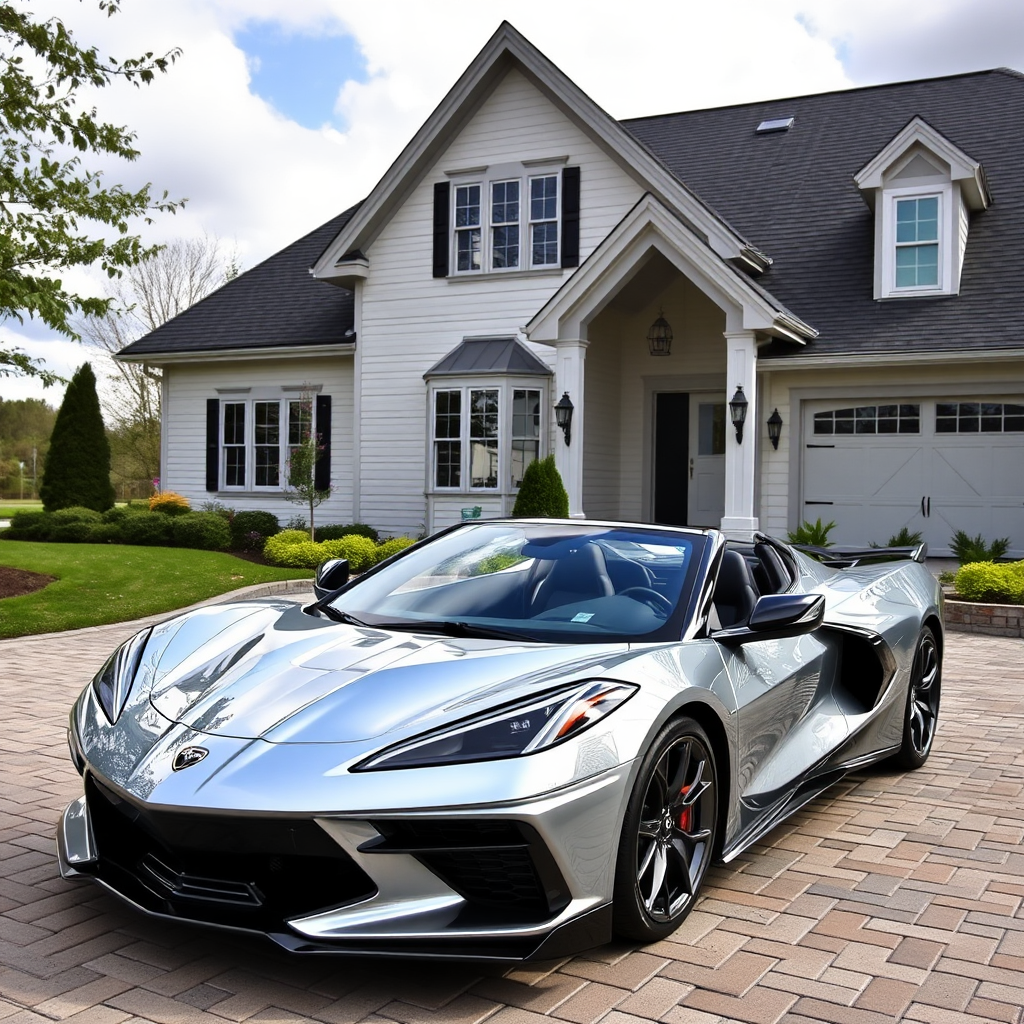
(671, 448)
(706, 498)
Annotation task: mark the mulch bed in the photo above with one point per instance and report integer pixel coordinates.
(15, 582)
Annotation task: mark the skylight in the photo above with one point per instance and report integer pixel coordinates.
(775, 124)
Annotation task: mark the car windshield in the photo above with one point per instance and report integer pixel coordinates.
(553, 582)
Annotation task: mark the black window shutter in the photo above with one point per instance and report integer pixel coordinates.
(322, 470)
(442, 193)
(212, 444)
(570, 216)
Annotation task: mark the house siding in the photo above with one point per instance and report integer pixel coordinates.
(409, 319)
(186, 391)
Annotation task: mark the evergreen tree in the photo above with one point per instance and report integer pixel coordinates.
(542, 494)
(77, 470)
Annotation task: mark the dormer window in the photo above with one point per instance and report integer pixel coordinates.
(923, 190)
(917, 242)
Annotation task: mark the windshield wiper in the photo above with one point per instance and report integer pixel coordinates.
(456, 628)
(339, 616)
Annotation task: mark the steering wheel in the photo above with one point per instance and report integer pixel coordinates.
(645, 595)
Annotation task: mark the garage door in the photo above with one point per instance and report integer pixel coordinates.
(933, 465)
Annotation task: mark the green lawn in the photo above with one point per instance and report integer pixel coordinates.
(101, 583)
(12, 505)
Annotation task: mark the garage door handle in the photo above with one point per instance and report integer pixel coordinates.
(818, 502)
(929, 506)
(923, 513)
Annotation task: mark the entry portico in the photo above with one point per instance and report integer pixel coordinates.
(635, 451)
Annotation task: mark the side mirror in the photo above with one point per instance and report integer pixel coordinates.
(776, 616)
(332, 575)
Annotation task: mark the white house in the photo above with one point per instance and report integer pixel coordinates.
(848, 263)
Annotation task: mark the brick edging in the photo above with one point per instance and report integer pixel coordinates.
(993, 619)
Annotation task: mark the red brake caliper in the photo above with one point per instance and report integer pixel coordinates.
(686, 818)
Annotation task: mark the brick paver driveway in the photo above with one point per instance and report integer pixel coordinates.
(895, 897)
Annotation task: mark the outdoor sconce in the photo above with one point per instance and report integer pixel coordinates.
(659, 337)
(738, 412)
(563, 415)
(775, 429)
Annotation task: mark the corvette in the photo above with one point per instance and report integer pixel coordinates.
(513, 740)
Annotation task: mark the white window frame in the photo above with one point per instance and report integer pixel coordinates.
(249, 443)
(947, 234)
(505, 386)
(525, 174)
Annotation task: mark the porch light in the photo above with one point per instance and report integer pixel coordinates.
(659, 336)
(738, 412)
(563, 415)
(775, 429)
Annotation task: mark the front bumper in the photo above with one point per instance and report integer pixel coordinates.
(527, 880)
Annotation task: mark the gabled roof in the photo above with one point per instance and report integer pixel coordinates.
(277, 304)
(793, 194)
(917, 132)
(505, 356)
(506, 49)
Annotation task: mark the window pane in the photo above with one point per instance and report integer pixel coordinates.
(525, 413)
(267, 472)
(267, 422)
(910, 425)
(711, 428)
(300, 421)
(447, 413)
(505, 202)
(887, 425)
(467, 206)
(234, 467)
(523, 453)
(467, 244)
(483, 414)
(234, 423)
(544, 245)
(946, 409)
(544, 198)
(823, 423)
(483, 464)
(447, 463)
(945, 424)
(505, 247)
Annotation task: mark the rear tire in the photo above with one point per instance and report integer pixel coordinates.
(668, 834)
(922, 710)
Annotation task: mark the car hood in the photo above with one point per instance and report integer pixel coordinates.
(269, 671)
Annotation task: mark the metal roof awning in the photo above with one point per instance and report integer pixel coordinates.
(498, 355)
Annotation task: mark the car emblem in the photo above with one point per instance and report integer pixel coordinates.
(187, 757)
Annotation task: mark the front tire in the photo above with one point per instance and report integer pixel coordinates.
(922, 710)
(668, 834)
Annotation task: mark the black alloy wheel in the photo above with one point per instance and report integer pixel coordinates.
(668, 835)
(922, 711)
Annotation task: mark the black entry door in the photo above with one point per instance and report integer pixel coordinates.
(671, 447)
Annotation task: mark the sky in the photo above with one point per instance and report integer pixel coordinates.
(279, 114)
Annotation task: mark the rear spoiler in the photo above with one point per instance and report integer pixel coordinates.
(847, 558)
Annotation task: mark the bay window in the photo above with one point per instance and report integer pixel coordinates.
(483, 437)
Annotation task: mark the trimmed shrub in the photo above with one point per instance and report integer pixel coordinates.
(117, 514)
(169, 503)
(304, 555)
(351, 530)
(277, 546)
(206, 531)
(77, 466)
(77, 514)
(542, 494)
(29, 526)
(151, 528)
(74, 531)
(392, 547)
(250, 530)
(361, 552)
(103, 533)
(1001, 583)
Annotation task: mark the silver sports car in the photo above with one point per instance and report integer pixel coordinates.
(512, 740)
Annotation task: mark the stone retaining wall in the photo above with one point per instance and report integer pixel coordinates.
(994, 619)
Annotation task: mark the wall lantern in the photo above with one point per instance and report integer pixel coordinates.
(563, 415)
(738, 412)
(659, 336)
(775, 429)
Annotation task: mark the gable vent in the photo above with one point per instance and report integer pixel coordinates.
(775, 124)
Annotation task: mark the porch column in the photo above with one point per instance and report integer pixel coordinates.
(569, 357)
(739, 521)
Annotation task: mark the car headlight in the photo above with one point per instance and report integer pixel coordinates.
(113, 682)
(510, 732)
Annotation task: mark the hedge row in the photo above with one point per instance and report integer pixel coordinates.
(293, 549)
(997, 582)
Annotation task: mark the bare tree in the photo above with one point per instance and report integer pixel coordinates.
(148, 295)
